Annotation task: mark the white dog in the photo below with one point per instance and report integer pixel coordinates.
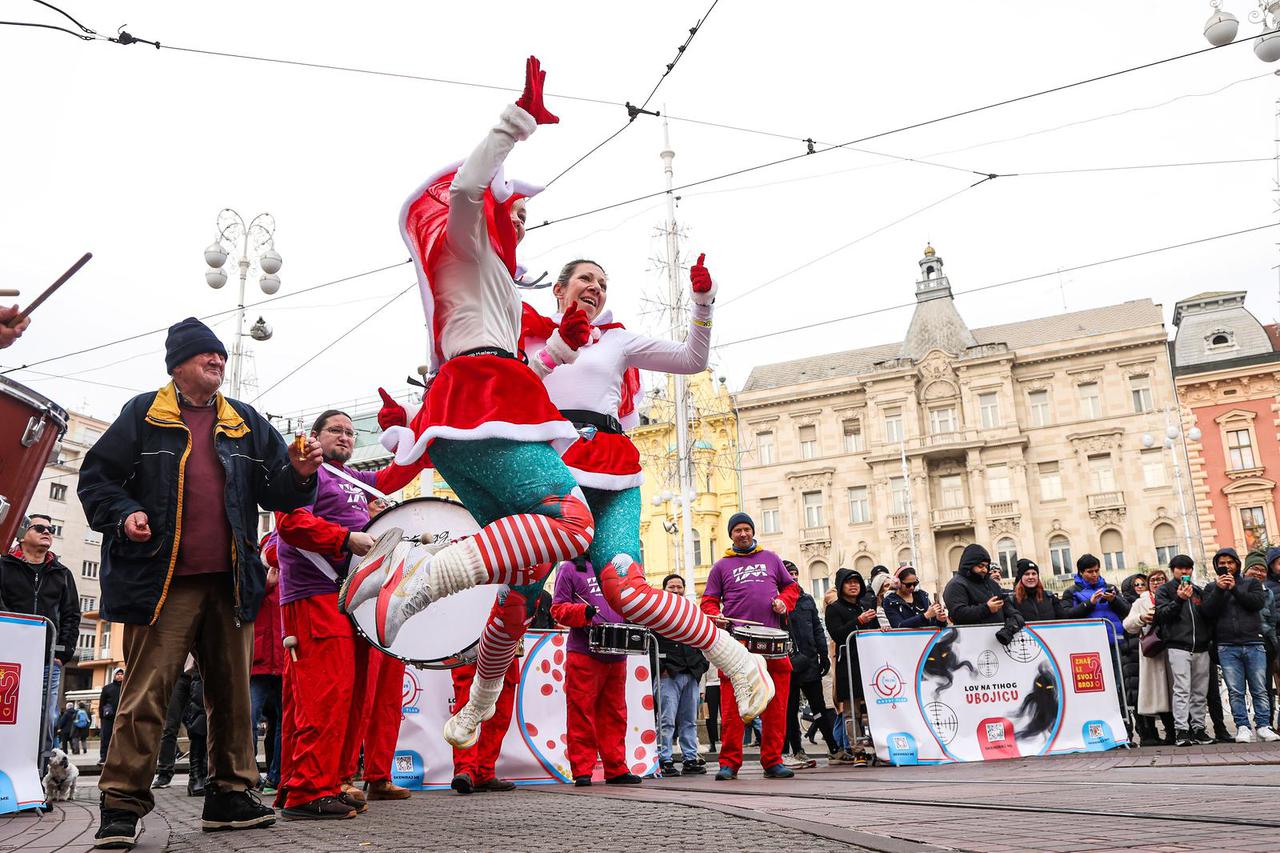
(60, 778)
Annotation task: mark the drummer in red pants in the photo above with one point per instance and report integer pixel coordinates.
(752, 584)
(595, 685)
(474, 769)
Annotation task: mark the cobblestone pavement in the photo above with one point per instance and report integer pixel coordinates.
(1218, 798)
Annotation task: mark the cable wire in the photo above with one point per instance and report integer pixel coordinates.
(1089, 265)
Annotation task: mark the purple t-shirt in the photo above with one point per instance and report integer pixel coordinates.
(747, 585)
(570, 584)
(304, 574)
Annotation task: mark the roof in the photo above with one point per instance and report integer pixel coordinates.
(1133, 314)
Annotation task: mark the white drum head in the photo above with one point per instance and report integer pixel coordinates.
(446, 634)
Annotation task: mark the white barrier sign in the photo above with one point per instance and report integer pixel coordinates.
(956, 694)
(533, 750)
(22, 663)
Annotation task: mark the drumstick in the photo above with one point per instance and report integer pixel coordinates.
(743, 621)
(4, 293)
(62, 279)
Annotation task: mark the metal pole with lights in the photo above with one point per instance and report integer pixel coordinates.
(1222, 28)
(253, 243)
(673, 528)
(1173, 437)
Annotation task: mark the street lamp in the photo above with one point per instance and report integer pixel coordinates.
(252, 243)
(1172, 432)
(1222, 28)
(670, 524)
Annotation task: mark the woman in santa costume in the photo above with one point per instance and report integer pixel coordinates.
(597, 391)
(486, 421)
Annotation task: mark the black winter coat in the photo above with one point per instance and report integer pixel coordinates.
(842, 620)
(138, 465)
(809, 658)
(678, 657)
(48, 590)
(910, 614)
(1182, 624)
(966, 594)
(109, 701)
(1237, 612)
(1049, 608)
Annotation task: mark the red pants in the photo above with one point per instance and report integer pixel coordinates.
(318, 690)
(773, 720)
(596, 701)
(376, 705)
(479, 762)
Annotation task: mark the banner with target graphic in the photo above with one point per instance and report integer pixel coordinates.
(533, 749)
(957, 694)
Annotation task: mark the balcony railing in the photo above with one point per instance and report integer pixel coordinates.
(1002, 509)
(952, 515)
(897, 521)
(816, 534)
(1106, 500)
(940, 439)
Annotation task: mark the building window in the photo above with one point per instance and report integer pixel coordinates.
(1112, 550)
(942, 420)
(87, 603)
(853, 442)
(769, 520)
(1240, 449)
(893, 426)
(764, 447)
(92, 537)
(56, 524)
(1038, 407)
(951, 489)
(1153, 473)
(998, 484)
(1007, 557)
(897, 495)
(808, 442)
(989, 409)
(87, 640)
(88, 569)
(859, 505)
(642, 562)
(904, 557)
(819, 580)
(58, 492)
(1060, 555)
(1254, 524)
(697, 546)
(1140, 389)
(1090, 401)
(1166, 544)
(1050, 482)
(1102, 477)
(812, 509)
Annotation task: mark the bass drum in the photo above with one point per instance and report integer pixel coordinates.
(447, 633)
(30, 428)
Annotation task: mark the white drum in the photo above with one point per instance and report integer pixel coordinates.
(447, 633)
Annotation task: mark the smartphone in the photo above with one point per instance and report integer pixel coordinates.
(1221, 570)
(1185, 580)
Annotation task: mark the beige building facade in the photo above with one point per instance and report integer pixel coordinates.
(1025, 437)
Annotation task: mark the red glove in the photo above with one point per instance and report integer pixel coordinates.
(531, 100)
(575, 328)
(392, 413)
(699, 275)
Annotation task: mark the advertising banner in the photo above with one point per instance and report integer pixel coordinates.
(22, 663)
(956, 694)
(533, 750)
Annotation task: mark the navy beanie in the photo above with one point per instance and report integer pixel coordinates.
(187, 338)
(741, 518)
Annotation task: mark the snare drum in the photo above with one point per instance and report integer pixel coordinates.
(447, 633)
(30, 427)
(766, 642)
(612, 639)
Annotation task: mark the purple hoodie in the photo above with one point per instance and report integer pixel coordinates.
(581, 587)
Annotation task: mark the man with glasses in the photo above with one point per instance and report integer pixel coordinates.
(33, 581)
(339, 691)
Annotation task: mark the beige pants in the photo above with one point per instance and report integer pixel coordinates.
(198, 616)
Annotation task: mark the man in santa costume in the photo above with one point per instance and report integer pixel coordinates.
(487, 422)
(595, 684)
(752, 584)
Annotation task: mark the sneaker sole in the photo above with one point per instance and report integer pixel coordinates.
(756, 708)
(117, 842)
(223, 825)
(288, 815)
(376, 559)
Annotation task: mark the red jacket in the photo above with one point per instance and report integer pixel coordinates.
(268, 630)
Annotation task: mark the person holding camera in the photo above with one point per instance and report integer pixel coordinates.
(1183, 625)
(973, 597)
(1235, 601)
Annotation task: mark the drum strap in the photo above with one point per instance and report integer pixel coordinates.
(338, 472)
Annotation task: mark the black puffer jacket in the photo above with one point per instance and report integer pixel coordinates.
(680, 658)
(1049, 608)
(966, 594)
(842, 620)
(809, 659)
(1182, 623)
(1236, 612)
(1129, 645)
(48, 590)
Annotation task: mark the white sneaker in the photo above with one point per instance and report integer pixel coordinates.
(463, 728)
(1268, 734)
(404, 593)
(364, 580)
(748, 673)
(1244, 735)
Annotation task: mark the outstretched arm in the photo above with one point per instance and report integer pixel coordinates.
(690, 355)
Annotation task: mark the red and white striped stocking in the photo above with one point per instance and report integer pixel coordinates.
(502, 633)
(521, 549)
(673, 616)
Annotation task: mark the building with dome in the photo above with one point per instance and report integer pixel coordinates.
(1025, 437)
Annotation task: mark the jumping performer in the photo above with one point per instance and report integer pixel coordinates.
(475, 768)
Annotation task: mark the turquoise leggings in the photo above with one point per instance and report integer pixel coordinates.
(617, 516)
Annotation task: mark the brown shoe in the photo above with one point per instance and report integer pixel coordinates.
(359, 805)
(353, 792)
(494, 785)
(321, 808)
(385, 789)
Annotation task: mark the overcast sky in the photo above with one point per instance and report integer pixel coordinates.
(130, 153)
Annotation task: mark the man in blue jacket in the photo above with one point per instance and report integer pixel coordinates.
(174, 486)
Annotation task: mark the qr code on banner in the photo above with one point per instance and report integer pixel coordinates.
(900, 743)
(1095, 731)
(404, 763)
(995, 732)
